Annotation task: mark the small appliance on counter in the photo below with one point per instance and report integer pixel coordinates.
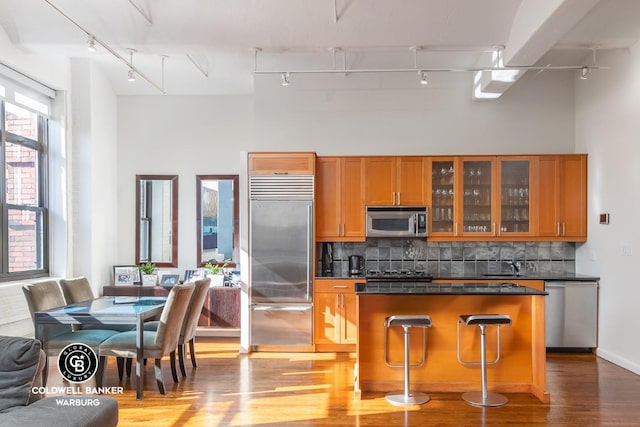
(356, 265)
(327, 258)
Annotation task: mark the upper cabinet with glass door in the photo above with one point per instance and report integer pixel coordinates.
(478, 216)
(480, 198)
(443, 180)
(515, 210)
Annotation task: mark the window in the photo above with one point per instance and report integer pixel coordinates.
(23, 139)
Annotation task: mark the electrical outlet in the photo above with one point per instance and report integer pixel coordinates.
(627, 250)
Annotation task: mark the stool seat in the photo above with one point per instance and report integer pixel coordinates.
(485, 319)
(408, 320)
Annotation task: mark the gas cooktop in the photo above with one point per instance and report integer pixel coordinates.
(397, 275)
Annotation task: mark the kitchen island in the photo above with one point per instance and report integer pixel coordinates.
(521, 368)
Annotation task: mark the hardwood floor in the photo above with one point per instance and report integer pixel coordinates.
(303, 389)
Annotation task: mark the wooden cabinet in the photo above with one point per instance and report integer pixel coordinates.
(335, 315)
(281, 163)
(339, 199)
(562, 197)
(481, 198)
(135, 291)
(396, 181)
(221, 309)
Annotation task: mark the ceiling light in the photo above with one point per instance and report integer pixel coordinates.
(423, 78)
(584, 73)
(285, 79)
(131, 75)
(91, 44)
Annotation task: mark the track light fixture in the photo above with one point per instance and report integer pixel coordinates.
(131, 76)
(584, 73)
(285, 79)
(423, 77)
(91, 44)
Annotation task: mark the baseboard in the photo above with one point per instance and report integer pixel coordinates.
(620, 361)
(215, 332)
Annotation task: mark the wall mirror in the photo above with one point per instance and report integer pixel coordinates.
(217, 218)
(157, 220)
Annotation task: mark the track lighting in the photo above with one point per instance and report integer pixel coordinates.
(584, 73)
(285, 79)
(423, 78)
(91, 44)
(131, 74)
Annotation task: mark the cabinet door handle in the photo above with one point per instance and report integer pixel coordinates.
(337, 300)
(558, 229)
(564, 228)
(393, 198)
(338, 230)
(456, 229)
(340, 286)
(500, 229)
(398, 198)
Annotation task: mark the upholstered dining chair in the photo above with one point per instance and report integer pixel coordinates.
(78, 289)
(46, 295)
(190, 324)
(157, 344)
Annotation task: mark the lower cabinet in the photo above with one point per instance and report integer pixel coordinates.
(335, 315)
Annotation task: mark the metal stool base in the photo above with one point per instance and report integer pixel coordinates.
(493, 399)
(399, 399)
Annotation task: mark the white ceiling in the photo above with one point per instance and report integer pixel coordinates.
(221, 35)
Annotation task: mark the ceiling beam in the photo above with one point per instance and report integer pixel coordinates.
(537, 27)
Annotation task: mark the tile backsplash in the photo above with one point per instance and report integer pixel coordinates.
(455, 258)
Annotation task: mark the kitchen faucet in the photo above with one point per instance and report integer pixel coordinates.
(515, 267)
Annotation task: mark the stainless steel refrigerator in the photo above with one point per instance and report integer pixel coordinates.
(281, 258)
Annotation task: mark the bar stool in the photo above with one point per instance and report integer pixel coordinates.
(483, 398)
(407, 322)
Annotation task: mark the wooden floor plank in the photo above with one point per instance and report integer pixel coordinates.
(303, 389)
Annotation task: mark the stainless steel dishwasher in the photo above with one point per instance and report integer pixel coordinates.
(571, 315)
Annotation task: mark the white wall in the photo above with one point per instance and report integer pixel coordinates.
(394, 114)
(177, 135)
(608, 127)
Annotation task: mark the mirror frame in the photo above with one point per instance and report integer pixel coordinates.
(236, 219)
(174, 218)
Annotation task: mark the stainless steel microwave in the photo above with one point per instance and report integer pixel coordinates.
(397, 221)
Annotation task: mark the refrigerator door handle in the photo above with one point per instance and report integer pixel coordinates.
(282, 308)
(309, 244)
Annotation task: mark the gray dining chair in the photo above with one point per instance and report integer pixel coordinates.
(78, 289)
(158, 343)
(190, 324)
(46, 295)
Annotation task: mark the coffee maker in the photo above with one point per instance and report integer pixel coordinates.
(356, 265)
(326, 252)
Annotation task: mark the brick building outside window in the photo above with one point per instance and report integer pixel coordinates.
(24, 214)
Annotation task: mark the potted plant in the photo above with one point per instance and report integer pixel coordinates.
(148, 274)
(216, 272)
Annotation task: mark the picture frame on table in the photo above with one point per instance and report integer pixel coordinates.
(123, 279)
(127, 269)
(193, 275)
(169, 280)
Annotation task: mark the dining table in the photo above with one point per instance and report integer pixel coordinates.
(107, 310)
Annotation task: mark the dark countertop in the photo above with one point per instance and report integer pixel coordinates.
(428, 288)
(547, 277)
